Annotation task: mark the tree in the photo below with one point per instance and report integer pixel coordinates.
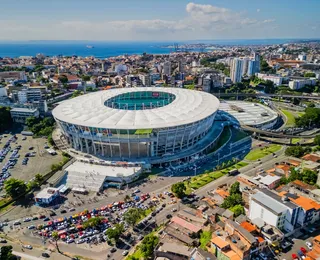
(316, 140)
(148, 245)
(6, 253)
(38, 178)
(86, 78)
(179, 189)
(31, 121)
(5, 119)
(115, 232)
(55, 236)
(131, 257)
(232, 200)
(92, 222)
(133, 215)
(295, 151)
(235, 188)
(309, 176)
(237, 210)
(63, 79)
(15, 187)
(309, 75)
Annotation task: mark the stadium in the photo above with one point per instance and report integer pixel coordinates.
(153, 125)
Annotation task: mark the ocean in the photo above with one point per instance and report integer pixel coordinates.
(107, 49)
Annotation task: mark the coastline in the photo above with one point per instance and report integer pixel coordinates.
(104, 50)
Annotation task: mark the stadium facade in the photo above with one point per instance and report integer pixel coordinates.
(151, 124)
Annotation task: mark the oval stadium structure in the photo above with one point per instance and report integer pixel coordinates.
(152, 124)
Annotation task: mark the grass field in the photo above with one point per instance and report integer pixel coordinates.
(290, 117)
(296, 140)
(203, 179)
(262, 152)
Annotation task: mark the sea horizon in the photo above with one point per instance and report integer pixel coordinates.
(106, 49)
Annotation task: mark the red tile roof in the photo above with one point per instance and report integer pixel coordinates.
(185, 224)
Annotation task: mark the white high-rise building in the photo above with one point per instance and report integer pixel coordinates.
(236, 70)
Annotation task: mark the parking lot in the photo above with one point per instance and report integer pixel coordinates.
(73, 233)
(39, 160)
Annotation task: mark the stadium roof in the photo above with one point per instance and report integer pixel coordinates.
(89, 110)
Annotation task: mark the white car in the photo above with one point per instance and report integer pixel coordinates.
(174, 210)
(124, 253)
(309, 245)
(28, 246)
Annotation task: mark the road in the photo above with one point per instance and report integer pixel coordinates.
(163, 185)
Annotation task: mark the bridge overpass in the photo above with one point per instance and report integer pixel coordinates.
(275, 134)
(265, 95)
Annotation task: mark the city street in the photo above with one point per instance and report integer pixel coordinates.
(155, 186)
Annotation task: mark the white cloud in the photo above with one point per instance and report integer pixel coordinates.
(258, 10)
(202, 21)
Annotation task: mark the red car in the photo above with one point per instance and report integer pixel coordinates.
(294, 256)
(42, 216)
(303, 250)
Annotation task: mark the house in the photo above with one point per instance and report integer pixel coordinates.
(191, 215)
(283, 169)
(173, 251)
(234, 242)
(200, 254)
(269, 181)
(311, 157)
(219, 195)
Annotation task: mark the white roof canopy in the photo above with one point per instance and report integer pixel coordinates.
(89, 110)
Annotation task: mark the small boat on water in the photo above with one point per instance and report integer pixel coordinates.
(89, 47)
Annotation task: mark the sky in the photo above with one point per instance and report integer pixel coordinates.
(158, 20)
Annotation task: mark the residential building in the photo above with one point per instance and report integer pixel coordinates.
(302, 57)
(277, 80)
(300, 83)
(274, 210)
(167, 68)
(12, 76)
(236, 70)
(173, 251)
(200, 254)
(3, 91)
(155, 77)
(19, 115)
(145, 79)
(29, 95)
(233, 242)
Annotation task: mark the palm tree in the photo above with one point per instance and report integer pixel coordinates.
(55, 236)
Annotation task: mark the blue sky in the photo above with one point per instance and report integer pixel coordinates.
(158, 19)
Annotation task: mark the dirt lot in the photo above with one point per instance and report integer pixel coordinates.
(41, 163)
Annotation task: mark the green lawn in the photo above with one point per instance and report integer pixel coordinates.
(262, 152)
(205, 238)
(203, 179)
(296, 140)
(290, 117)
(301, 113)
